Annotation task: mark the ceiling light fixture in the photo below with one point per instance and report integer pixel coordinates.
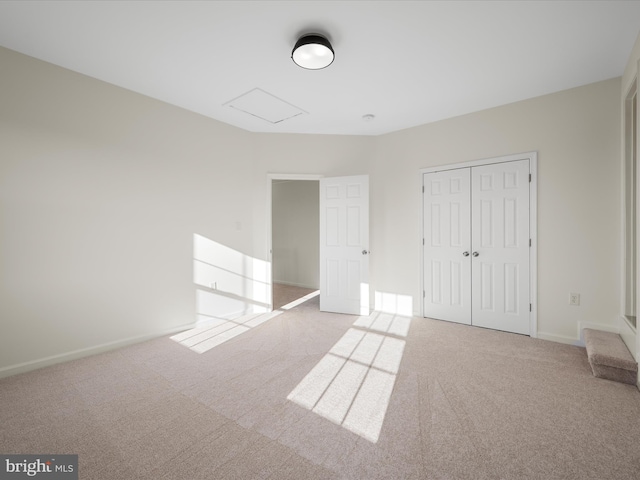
(313, 52)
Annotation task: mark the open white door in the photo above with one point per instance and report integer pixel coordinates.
(344, 245)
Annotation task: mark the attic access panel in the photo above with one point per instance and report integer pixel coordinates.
(265, 106)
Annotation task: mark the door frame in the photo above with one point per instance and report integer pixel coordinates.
(268, 203)
(533, 225)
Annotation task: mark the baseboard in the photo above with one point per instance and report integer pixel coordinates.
(557, 338)
(85, 352)
(293, 284)
(227, 316)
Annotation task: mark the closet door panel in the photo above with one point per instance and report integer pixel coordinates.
(447, 238)
(500, 246)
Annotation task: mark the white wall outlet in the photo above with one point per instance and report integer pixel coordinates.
(574, 299)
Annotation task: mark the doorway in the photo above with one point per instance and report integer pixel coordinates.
(293, 241)
(342, 232)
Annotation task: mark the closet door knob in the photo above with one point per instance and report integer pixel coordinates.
(475, 254)
(466, 254)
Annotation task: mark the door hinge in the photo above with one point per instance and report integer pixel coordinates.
(423, 241)
(530, 308)
(423, 294)
(529, 242)
(529, 178)
(423, 189)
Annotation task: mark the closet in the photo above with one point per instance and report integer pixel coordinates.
(477, 245)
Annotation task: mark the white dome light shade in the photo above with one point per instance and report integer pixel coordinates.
(313, 52)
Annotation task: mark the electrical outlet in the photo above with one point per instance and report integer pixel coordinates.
(574, 299)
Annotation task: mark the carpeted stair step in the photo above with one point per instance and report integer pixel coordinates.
(609, 357)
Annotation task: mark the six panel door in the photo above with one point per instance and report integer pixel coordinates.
(447, 263)
(344, 245)
(500, 239)
(476, 246)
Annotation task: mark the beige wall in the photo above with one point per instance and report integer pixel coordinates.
(295, 233)
(576, 135)
(327, 155)
(102, 191)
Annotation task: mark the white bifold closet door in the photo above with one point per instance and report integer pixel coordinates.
(476, 246)
(447, 239)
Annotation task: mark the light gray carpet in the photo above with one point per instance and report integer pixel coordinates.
(467, 403)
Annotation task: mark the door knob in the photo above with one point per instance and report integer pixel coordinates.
(365, 252)
(475, 254)
(466, 254)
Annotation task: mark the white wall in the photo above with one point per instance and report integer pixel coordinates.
(296, 233)
(576, 134)
(105, 196)
(327, 155)
(102, 191)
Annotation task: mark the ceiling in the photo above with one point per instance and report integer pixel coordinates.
(407, 63)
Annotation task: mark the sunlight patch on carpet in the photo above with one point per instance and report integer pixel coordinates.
(352, 384)
(219, 330)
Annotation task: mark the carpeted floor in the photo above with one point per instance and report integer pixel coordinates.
(284, 294)
(465, 403)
